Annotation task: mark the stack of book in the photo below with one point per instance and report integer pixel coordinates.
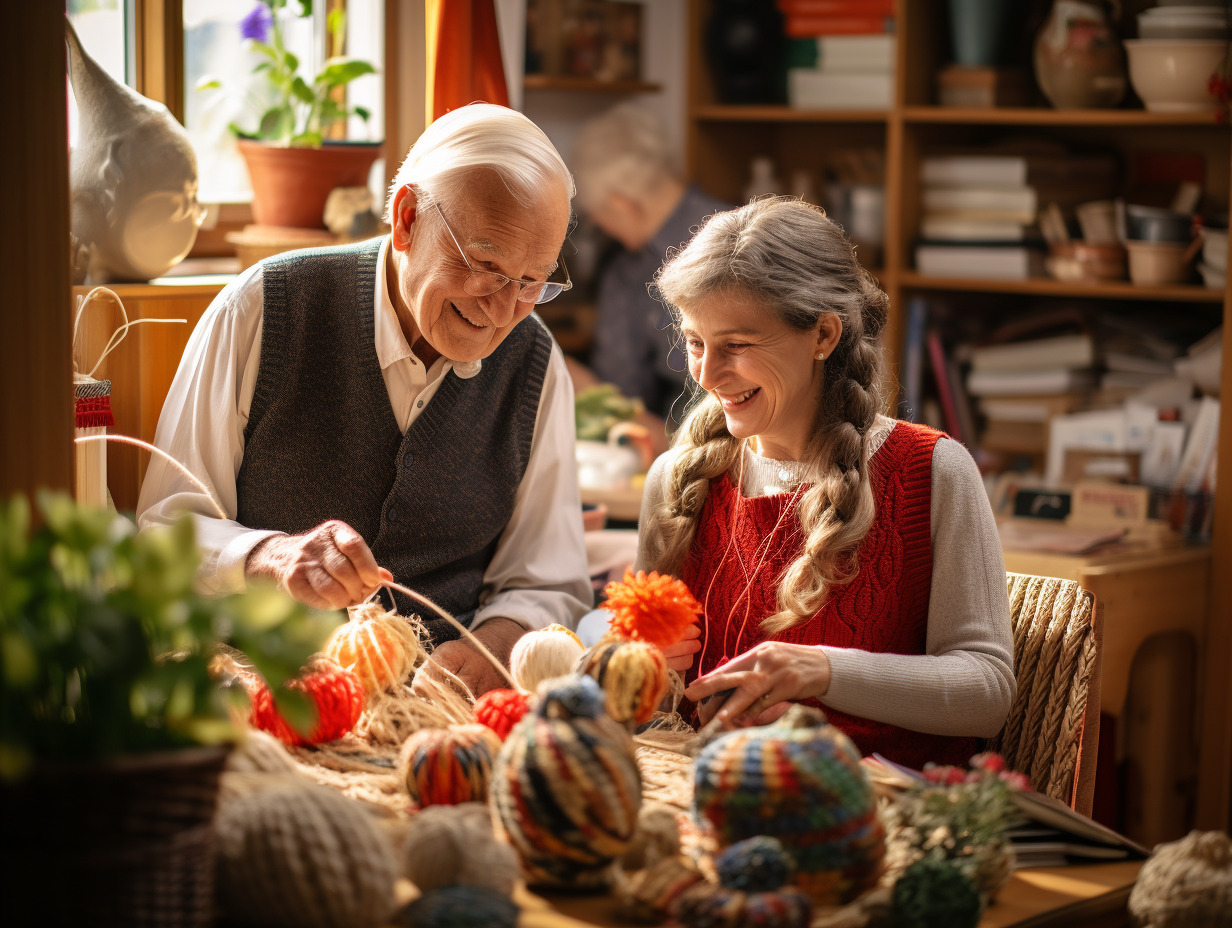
(1021, 386)
(978, 211)
(853, 65)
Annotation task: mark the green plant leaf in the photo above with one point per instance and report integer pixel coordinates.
(278, 123)
(212, 83)
(362, 112)
(268, 50)
(340, 71)
(302, 91)
(307, 140)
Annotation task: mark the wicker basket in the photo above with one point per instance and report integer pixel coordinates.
(125, 843)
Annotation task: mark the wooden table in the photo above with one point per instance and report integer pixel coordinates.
(1145, 591)
(1089, 896)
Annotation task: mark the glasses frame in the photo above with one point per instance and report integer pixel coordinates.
(522, 284)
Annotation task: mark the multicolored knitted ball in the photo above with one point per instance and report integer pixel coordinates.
(798, 780)
(633, 675)
(541, 655)
(500, 710)
(446, 766)
(752, 890)
(336, 694)
(566, 789)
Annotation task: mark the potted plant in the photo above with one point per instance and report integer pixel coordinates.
(291, 163)
(113, 729)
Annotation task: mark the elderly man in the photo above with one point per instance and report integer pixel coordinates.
(629, 187)
(392, 409)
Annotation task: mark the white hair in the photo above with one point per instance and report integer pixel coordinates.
(624, 150)
(482, 135)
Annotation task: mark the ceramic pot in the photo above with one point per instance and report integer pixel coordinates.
(1079, 61)
(290, 185)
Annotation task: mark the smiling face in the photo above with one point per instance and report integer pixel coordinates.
(427, 276)
(764, 372)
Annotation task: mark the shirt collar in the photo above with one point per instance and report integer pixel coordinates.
(391, 343)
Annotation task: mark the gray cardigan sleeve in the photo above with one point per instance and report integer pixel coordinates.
(964, 683)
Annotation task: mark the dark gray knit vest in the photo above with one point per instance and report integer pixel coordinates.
(322, 441)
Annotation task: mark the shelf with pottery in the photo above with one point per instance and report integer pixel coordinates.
(717, 112)
(586, 84)
(1047, 286)
(1042, 116)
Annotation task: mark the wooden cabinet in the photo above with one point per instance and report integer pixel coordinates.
(722, 140)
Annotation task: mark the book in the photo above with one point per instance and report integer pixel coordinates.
(811, 89)
(954, 405)
(1026, 408)
(802, 26)
(856, 54)
(909, 406)
(1076, 350)
(966, 230)
(1014, 204)
(1192, 474)
(985, 261)
(1048, 380)
(987, 170)
(836, 7)
(1015, 437)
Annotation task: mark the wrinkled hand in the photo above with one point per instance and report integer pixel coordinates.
(680, 655)
(464, 661)
(762, 683)
(328, 567)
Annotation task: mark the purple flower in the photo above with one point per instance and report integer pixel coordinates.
(256, 25)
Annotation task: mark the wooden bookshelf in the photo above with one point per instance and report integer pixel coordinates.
(586, 84)
(721, 139)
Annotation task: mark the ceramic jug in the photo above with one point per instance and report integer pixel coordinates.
(1079, 61)
(133, 176)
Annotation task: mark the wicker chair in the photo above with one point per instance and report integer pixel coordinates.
(1052, 732)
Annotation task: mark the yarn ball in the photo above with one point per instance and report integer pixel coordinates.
(935, 892)
(566, 789)
(541, 655)
(647, 895)
(336, 694)
(755, 865)
(557, 627)
(500, 710)
(798, 780)
(461, 907)
(259, 752)
(303, 856)
(456, 846)
(650, 607)
(1186, 883)
(381, 648)
(657, 836)
(633, 675)
(710, 905)
(445, 766)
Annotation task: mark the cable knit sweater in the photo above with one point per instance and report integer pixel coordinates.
(963, 682)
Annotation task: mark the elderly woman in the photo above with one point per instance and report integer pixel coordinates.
(842, 558)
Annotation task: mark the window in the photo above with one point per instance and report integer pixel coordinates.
(103, 27)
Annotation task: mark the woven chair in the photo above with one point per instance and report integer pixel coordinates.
(1052, 732)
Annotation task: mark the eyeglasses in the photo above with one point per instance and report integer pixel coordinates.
(485, 283)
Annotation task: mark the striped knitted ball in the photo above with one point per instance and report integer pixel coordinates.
(633, 675)
(446, 766)
(566, 789)
(798, 780)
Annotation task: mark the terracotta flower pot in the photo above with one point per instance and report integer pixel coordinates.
(290, 185)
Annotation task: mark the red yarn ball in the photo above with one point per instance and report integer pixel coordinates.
(336, 693)
(500, 710)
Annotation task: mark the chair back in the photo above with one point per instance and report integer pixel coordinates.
(1052, 732)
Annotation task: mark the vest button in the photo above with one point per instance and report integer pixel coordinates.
(407, 458)
(391, 515)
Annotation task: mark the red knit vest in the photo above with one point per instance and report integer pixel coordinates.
(744, 545)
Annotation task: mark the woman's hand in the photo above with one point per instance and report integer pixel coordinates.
(762, 683)
(680, 655)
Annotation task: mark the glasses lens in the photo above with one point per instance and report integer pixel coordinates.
(479, 284)
(541, 293)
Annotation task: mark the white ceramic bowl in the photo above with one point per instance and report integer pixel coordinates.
(1215, 249)
(1174, 76)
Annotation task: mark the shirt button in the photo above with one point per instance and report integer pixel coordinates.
(419, 405)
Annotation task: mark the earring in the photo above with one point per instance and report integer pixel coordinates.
(821, 356)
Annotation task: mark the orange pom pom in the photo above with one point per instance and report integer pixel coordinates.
(336, 693)
(650, 607)
(500, 710)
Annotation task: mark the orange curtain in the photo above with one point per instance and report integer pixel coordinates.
(464, 56)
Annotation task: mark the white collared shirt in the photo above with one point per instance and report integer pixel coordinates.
(537, 574)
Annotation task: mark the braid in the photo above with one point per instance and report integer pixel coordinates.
(706, 450)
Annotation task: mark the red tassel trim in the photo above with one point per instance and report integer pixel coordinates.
(93, 412)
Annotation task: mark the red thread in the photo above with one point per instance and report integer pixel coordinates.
(500, 710)
(93, 412)
(336, 693)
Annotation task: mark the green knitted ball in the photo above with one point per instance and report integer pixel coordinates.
(935, 892)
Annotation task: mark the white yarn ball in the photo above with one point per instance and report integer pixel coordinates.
(456, 846)
(541, 655)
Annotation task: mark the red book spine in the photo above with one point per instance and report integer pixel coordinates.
(844, 8)
(807, 27)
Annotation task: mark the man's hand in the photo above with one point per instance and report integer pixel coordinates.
(328, 567)
(463, 660)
